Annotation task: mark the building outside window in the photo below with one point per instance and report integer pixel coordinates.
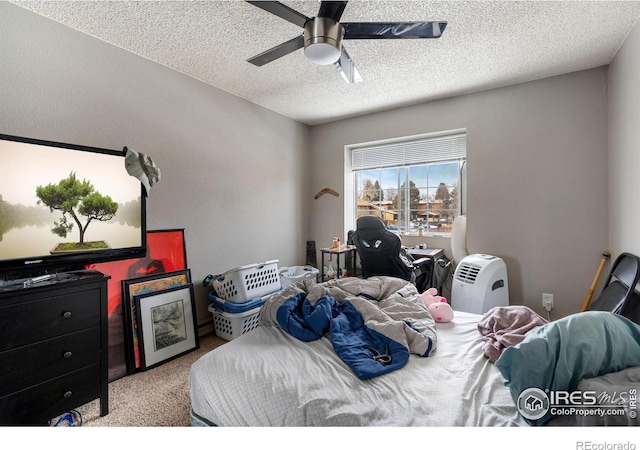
(414, 184)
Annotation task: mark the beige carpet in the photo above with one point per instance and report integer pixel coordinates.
(158, 397)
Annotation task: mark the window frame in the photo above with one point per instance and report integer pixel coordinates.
(351, 175)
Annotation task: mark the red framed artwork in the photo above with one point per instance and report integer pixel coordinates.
(166, 252)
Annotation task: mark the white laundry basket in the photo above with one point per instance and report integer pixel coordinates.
(293, 274)
(245, 283)
(230, 326)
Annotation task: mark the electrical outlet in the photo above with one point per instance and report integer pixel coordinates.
(547, 301)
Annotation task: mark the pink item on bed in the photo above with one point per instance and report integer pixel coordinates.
(504, 326)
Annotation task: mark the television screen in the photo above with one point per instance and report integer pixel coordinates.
(64, 206)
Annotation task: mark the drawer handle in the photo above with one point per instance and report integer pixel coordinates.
(67, 355)
(66, 314)
(67, 395)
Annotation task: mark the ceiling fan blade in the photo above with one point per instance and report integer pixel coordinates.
(278, 51)
(332, 10)
(393, 30)
(347, 68)
(282, 11)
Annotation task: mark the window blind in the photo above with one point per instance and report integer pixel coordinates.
(416, 151)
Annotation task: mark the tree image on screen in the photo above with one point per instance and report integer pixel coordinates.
(77, 200)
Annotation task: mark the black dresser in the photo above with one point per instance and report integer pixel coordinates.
(53, 347)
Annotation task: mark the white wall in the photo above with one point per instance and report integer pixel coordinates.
(624, 147)
(233, 173)
(537, 178)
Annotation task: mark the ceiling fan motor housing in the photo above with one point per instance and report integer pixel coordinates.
(322, 40)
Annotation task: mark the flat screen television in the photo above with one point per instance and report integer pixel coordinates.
(64, 207)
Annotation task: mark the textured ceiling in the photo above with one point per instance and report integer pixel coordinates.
(486, 44)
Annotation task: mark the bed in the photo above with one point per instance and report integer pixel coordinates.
(269, 377)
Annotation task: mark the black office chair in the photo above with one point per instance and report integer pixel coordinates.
(619, 294)
(381, 254)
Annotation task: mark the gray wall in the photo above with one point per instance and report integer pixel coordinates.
(241, 179)
(233, 173)
(624, 147)
(537, 178)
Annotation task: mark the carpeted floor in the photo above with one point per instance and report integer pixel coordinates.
(158, 397)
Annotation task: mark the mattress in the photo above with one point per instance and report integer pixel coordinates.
(266, 377)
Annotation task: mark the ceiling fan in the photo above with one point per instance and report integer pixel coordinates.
(323, 35)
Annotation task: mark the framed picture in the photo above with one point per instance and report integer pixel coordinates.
(166, 252)
(139, 286)
(167, 324)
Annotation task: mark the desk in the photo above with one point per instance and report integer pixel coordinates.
(431, 253)
(337, 251)
(424, 252)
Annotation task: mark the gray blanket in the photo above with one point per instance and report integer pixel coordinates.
(390, 306)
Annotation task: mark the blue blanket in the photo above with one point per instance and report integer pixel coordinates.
(368, 353)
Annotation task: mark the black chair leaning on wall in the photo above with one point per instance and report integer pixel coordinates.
(381, 254)
(619, 294)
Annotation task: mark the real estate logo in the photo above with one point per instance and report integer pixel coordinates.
(534, 403)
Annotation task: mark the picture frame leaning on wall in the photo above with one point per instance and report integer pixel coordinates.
(138, 286)
(166, 324)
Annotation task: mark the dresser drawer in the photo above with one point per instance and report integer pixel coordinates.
(43, 402)
(32, 364)
(33, 321)
(53, 348)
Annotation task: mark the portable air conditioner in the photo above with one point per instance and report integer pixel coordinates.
(479, 284)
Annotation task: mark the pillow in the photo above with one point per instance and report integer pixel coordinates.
(556, 356)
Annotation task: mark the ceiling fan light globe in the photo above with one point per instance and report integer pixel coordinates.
(322, 41)
(322, 53)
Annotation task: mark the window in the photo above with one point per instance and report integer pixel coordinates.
(411, 183)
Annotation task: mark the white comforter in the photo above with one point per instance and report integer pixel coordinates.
(269, 378)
